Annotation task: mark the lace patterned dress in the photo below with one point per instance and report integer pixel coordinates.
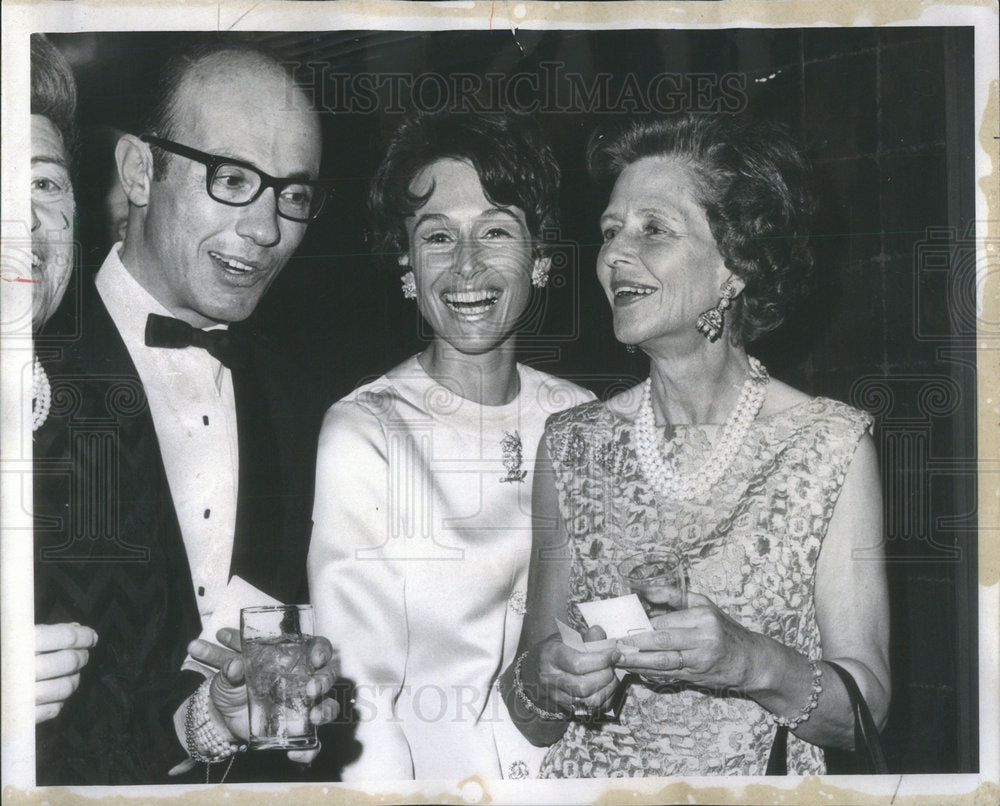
(752, 546)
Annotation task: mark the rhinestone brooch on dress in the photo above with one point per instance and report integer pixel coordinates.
(518, 770)
(512, 457)
(518, 602)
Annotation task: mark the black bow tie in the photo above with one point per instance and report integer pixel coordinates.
(224, 345)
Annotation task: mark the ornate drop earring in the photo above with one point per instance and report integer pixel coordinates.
(409, 283)
(540, 275)
(710, 322)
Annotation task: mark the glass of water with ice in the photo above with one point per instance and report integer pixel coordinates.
(276, 641)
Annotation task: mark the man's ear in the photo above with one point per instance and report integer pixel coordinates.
(135, 169)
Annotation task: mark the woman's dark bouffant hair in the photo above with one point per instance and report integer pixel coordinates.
(515, 165)
(756, 190)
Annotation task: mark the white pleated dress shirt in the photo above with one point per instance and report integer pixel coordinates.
(190, 396)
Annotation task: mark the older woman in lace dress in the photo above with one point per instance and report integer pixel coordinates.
(770, 496)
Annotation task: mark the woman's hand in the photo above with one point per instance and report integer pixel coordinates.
(568, 680)
(61, 651)
(700, 645)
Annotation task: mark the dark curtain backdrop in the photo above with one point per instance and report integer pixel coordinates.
(886, 116)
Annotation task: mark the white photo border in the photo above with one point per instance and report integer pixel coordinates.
(24, 17)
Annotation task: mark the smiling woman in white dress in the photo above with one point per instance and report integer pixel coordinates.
(419, 556)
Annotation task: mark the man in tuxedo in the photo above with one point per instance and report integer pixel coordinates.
(178, 456)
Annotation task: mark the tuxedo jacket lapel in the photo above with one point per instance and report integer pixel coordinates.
(277, 447)
(257, 523)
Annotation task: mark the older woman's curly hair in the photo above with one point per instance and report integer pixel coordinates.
(756, 189)
(53, 89)
(515, 165)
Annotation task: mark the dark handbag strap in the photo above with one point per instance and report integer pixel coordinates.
(867, 745)
(777, 761)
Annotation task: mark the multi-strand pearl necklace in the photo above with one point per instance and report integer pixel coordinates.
(41, 395)
(661, 477)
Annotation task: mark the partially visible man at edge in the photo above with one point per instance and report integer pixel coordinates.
(183, 454)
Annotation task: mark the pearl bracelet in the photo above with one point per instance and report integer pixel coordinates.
(204, 741)
(522, 695)
(817, 688)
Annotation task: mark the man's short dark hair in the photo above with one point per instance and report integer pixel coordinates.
(515, 165)
(162, 119)
(53, 89)
(755, 187)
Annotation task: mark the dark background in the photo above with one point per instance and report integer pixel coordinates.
(886, 116)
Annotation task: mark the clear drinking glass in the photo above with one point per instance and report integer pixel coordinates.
(276, 643)
(658, 578)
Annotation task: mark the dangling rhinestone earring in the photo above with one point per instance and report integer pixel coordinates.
(710, 323)
(540, 275)
(409, 283)
(630, 348)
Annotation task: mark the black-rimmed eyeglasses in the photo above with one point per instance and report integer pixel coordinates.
(238, 183)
